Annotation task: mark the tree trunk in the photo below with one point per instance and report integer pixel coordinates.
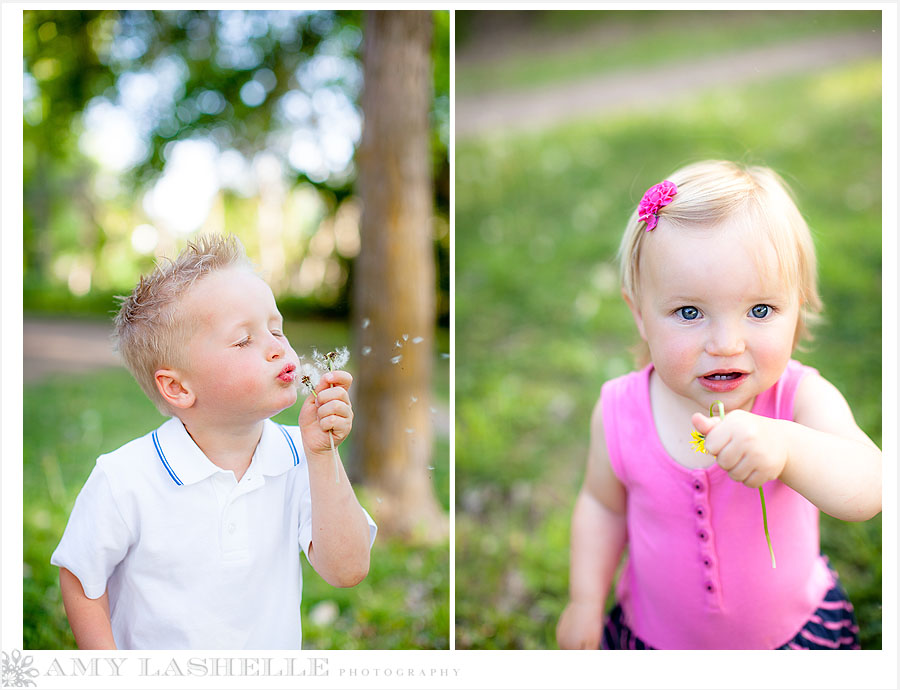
(394, 282)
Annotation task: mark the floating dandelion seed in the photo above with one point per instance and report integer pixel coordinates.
(413, 398)
(366, 350)
(445, 355)
(365, 323)
(398, 344)
(406, 336)
(396, 360)
(698, 443)
(431, 467)
(418, 339)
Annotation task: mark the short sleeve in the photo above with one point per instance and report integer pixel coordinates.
(96, 537)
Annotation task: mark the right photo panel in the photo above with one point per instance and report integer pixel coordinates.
(668, 329)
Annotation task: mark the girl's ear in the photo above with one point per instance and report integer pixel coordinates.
(173, 390)
(636, 313)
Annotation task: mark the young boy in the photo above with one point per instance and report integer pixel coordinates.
(187, 538)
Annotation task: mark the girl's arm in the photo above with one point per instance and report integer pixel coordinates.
(822, 455)
(831, 461)
(88, 618)
(598, 539)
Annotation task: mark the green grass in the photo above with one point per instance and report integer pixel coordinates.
(540, 324)
(71, 419)
(579, 44)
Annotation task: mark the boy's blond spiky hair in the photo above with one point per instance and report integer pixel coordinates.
(150, 331)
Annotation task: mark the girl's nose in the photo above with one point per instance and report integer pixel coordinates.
(725, 340)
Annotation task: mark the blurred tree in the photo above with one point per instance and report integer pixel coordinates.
(394, 300)
(276, 90)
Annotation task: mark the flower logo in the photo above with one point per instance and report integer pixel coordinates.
(17, 671)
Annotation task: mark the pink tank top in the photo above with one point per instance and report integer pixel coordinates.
(698, 573)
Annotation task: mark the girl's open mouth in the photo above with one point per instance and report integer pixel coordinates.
(287, 374)
(722, 381)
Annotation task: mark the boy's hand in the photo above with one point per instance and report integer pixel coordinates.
(580, 627)
(751, 448)
(328, 410)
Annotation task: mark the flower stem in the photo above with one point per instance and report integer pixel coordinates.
(762, 497)
(762, 501)
(330, 357)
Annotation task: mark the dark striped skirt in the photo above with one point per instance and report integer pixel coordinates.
(832, 626)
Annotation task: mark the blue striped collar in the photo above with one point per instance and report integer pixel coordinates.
(278, 451)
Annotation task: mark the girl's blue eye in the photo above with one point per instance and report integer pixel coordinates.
(760, 311)
(689, 313)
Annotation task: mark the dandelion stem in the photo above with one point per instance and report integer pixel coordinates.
(762, 501)
(330, 357)
(762, 497)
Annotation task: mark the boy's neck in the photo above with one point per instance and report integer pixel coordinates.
(230, 448)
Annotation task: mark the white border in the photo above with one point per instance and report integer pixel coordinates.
(514, 669)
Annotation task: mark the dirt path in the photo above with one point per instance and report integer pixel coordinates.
(58, 345)
(648, 88)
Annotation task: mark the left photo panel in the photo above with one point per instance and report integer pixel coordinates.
(236, 330)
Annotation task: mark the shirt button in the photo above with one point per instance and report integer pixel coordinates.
(698, 485)
(702, 535)
(707, 562)
(709, 587)
(699, 512)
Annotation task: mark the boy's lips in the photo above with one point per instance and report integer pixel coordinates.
(287, 374)
(722, 380)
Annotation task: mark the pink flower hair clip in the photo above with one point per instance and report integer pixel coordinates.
(655, 198)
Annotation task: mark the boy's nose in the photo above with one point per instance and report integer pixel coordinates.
(276, 349)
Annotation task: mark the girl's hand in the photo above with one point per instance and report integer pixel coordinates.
(751, 448)
(580, 626)
(327, 411)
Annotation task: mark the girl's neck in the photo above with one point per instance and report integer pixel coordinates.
(672, 419)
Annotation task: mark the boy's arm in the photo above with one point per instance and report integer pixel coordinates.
(339, 550)
(598, 539)
(88, 618)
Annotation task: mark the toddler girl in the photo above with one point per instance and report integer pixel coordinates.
(718, 269)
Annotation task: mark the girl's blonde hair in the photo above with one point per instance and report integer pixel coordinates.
(711, 192)
(150, 329)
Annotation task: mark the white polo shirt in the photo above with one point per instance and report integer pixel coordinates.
(192, 558)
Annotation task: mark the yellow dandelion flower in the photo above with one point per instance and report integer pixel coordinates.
(698, 442)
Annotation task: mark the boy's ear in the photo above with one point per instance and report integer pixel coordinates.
(170, 387)
(636, 313)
